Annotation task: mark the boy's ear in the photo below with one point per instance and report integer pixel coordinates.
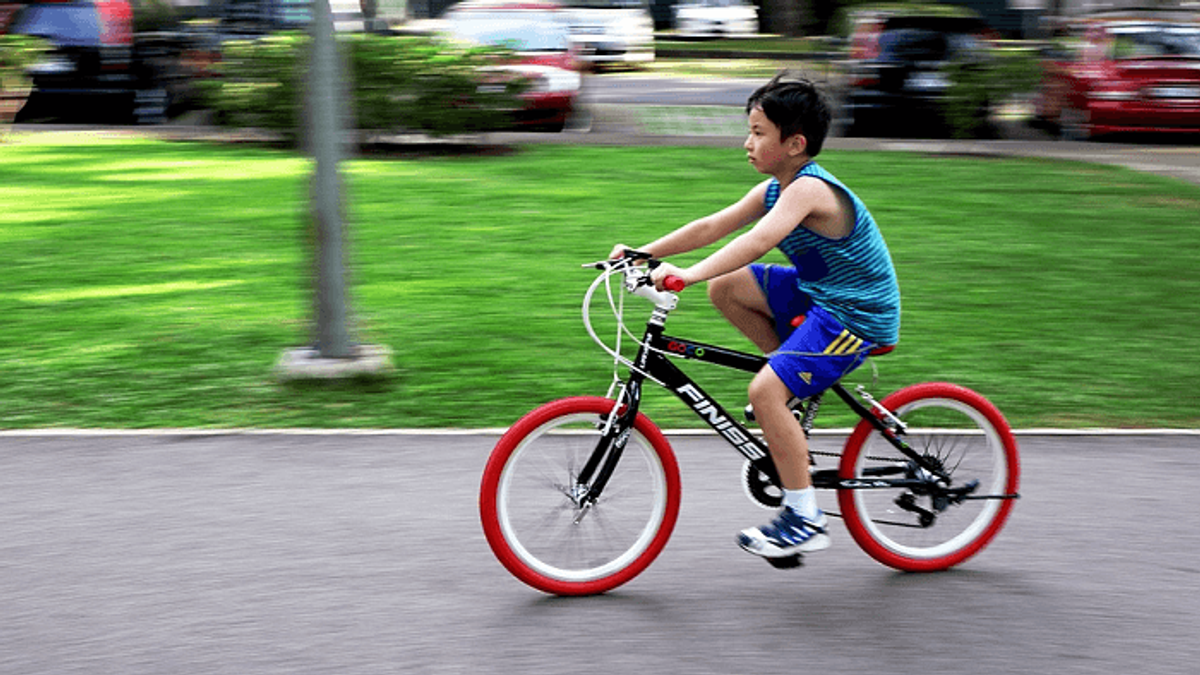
(797, 144)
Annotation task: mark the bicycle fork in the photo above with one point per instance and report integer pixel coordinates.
(615, 429)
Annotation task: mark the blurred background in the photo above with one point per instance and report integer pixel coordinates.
(156, 283)
(1075, 69)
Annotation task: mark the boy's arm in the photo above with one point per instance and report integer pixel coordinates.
(711, 228)
(794, 205)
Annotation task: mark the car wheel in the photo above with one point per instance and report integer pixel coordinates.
(551, 127)
(855, 124)
(1074, 125)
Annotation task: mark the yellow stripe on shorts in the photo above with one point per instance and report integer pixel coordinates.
(837, 343)
(846, 343)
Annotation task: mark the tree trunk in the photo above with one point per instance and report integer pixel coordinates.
(782, 17)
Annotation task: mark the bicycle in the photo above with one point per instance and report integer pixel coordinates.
(582, 494)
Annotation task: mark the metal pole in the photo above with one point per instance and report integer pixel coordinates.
(335, 356)
(332, 333)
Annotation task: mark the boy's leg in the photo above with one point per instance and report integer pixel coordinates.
(800, 526)
(784, 436)
(741, 300)
(812, 358)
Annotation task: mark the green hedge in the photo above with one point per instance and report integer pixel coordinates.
(401, 84)
(977, 86)
(17, 53)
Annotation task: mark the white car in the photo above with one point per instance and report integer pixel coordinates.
(611, 31)
(538, 33)
(716, 18)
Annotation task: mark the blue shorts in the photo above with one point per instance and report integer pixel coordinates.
(818, 353)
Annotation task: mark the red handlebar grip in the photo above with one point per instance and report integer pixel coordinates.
(673, 283)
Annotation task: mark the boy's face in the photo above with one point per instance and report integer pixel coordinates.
(766, 150)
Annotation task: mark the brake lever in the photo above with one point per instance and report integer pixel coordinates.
(630, 257)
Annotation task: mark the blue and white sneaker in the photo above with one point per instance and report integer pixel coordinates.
(789, 534)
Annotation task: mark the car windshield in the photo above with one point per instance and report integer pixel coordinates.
(712, 3)
(1141, 42)
(520, 30)
(66, 25)
(607, 4)
(916, 44)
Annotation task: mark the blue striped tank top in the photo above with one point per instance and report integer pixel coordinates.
(852, 278)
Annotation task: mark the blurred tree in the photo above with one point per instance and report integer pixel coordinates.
(798, 18)
(820, 15)
(780, 16)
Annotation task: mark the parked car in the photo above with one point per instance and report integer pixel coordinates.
(97, 55)
(539, 33)
(612, 32)
(899, 67)
(1114, 75)
(716, 18)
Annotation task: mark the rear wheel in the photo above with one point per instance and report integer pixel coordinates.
(533, 515)
(927, 528)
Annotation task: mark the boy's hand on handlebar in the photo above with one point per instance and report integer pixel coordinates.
(664, 270)
(660, 271)
(623, 252)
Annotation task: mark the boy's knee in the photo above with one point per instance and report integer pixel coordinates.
(718, 291)
(766, 388)
(725, 290)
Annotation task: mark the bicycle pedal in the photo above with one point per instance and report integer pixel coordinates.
(790, 562)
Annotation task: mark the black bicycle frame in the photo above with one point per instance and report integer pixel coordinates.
(652, 362)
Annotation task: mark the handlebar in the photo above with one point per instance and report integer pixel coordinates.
(637, 278)
(635, 281)
(673, 283)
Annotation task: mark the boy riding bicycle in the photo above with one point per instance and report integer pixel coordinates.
(818, 319)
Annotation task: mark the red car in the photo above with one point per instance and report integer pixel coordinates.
(1115, 75)
(538, 32)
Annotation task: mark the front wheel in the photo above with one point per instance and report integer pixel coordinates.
(927, 527)
(536, 521)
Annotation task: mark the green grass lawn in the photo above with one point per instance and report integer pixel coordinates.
(150, 284)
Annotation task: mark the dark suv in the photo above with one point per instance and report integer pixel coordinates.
(97, 62)
(899, 72)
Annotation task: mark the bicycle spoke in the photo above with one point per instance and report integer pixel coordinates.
(551, 531)
(930, 525)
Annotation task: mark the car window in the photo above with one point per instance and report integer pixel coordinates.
(66, 25)
(912, 44)
(1152, 42)
(1064, 48)
(524, 30)
(712, 3)
(608, 4)
(963, 44)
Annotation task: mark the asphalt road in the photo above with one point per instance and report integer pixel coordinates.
(353, 554)
(639, 89)
(608, 100)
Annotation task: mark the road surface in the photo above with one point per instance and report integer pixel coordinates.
(355, 554)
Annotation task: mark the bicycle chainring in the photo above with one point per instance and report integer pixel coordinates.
(759, 489)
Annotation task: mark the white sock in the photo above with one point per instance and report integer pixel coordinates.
(803, 501)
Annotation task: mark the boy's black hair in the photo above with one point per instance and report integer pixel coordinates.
(795, 105)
